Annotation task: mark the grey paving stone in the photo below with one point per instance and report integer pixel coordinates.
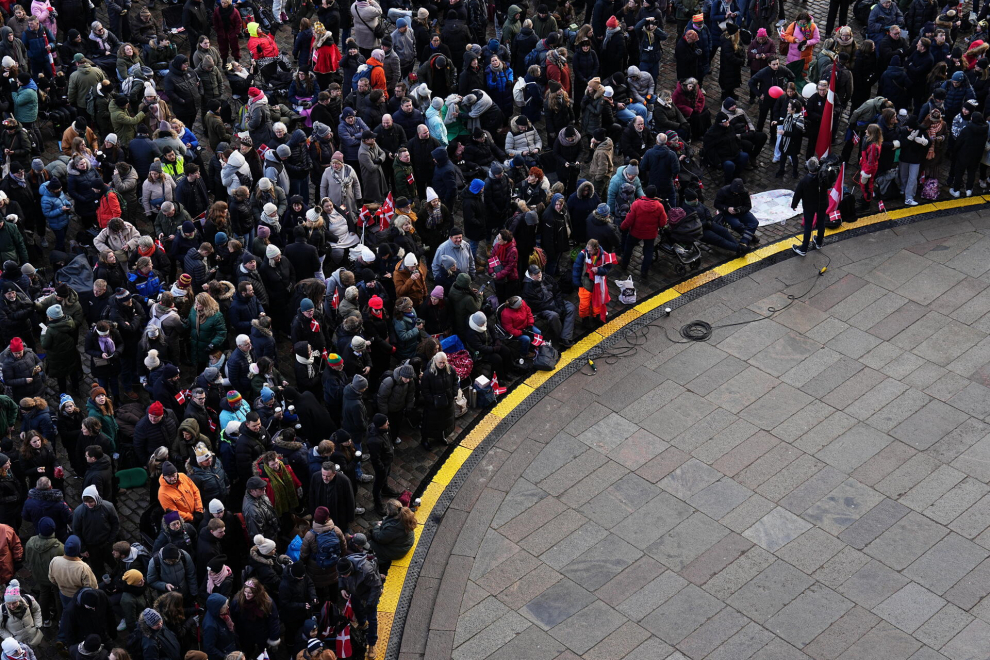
(608, 433)
(974, 399)
(974, 520)
(738, 573)
(872, 584)
(906, 477)
(958, 441)
(842, 634)
(571, 547)
(854, 447)
(812, 368)
(652, 648)
(704, 430)
(554, 531)
(709, 563)
(652, 520)
(555, 455)
(778, 649)
(856, 386)
(774, 407)
(896, 644)
(663, 464)
(902, 366)
(575, 471)
(895, 323)
(951, 505)
(724, 441)
(932, 487)
(929, 425)
(688, 479)
(874, 523)
(619, 500)
(853, 343)
(476, 619)
(622, 641)
(586, 628)
(825, 432)
(942, 627)
(720, 498)
(532, 643)
(768, 592)
(649, 597)
(492, 638)
(450, 593)
(784, 354)
(746, 453)
(594, 484)
(677, 416)
(695, 360)
(906, 540)
(716, 375)
(949, 343)
(975, 461)
(717, 630)
(637, 449)
(746, 514)
(881, 355)
(742, 389)
(803, 421)
(776, 529)
(647, 404)
(811, 550)
(929, 284)
(753, 338)
(947, 386)
(910, 607)
(476, 526)
(630, 579)
(883, 463)
(849, 502)
(898, 410)
(946, 563)
(743, 644)
(682, 614)
(601, 563)
(557, 603)
(919, 331)
(520, 497)
(970, 643)
(494, 550)
(680, 546)
(808, 615)
(823, 482)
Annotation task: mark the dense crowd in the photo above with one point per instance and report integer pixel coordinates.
(289, 237)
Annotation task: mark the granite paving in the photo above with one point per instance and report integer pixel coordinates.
(811, 489)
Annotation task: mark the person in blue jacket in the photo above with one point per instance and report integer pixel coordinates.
(218, 638)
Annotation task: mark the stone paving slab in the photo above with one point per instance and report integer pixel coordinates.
(810, 486)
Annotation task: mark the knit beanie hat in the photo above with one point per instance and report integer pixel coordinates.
(133, 577)
(151, 617)
(265, 546)
(13, 592)
(216, 506)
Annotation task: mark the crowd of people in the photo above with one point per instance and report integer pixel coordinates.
(307, 229)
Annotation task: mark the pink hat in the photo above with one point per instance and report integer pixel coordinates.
(337, 156)
(762, 32)
(437, 292)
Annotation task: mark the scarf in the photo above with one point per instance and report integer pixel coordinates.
(309, 363)
(285, 492)
(226, 617)
(435, 218)
(107, 345)
(599, 288)
(933, 130)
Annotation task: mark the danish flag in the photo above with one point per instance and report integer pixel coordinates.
(495, 387)
(537, 340)
(182, 396)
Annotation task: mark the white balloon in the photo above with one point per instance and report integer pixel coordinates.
(809, 90)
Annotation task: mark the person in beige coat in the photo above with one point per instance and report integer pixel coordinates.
(20, 616)
(69, 572)
(117, 236)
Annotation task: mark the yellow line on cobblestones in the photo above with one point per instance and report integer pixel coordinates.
(394, 584)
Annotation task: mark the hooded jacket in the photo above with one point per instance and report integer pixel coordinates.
(97, 526)
(181, 575)
(218, 639)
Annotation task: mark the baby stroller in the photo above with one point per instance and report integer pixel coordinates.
(276, 76)
(679, 239)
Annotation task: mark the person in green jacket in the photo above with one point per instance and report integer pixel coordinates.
(100, 407)
(207, 330)
(123, 124)
(12, 247)
(38, 554)
(8, 414)
(392, 538)
(59, 343)
(25, 99)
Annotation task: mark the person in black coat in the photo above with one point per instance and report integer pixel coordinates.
(332, 489)
(438, 387)
(636, 139)
(99, 471)
(661, 166)
(917, 66)
(772, 75)
(968, 151)
(732, 58)
(297, 598)
(895, 84)
(689, 56)
(167, 388)
(722, 147)
(305, 258)
(813, 195)
(379, 446)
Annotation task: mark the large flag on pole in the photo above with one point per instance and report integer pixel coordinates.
(824, 145)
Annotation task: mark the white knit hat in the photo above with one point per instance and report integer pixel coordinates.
(272, 251)
(265, 546)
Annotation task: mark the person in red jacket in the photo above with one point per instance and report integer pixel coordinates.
(260, 43)
(517, 319)
(227, 23)
(503, 265)
(644, 221)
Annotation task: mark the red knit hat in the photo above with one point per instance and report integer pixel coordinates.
(16, 345)
(375, 302)
(156, 409)
(612, 23)
(254, 92)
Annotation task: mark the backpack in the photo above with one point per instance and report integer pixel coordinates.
(6, 613)
(327, 549)
(533, 57)
(363, 71)
(110, 207)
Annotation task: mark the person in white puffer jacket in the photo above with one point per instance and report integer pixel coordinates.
(20, 616)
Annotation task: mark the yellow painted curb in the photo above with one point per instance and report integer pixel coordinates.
(395, 582)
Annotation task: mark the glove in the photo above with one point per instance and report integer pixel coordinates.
(921, 139)
(897, 144)
(273, 643)
(863, 176)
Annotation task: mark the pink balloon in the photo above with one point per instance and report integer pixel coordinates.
(775, 92)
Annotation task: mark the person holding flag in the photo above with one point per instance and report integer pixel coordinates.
(869, 163)
(811, 193)
(590, 277)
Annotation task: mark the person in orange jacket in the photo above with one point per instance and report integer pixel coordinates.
(377, 76)
(177, 492)
(11, 553)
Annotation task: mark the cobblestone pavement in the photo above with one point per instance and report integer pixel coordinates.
(812, 485)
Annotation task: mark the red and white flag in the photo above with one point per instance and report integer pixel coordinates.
(495, 388)
(335, 301)
(182, 396)
(386, 213)
(609, 258)
(825, 129)
(343, 645)
(537, 340)
(835, 195)
(314, 325)
(365, 217)
(881, 205)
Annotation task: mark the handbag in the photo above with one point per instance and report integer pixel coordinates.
(546, 358)
(929, 188)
